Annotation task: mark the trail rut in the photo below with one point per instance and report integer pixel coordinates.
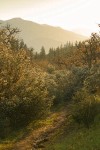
(37, 138)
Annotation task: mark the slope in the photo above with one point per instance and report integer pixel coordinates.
(36, 35)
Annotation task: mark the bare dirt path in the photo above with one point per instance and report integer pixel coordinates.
(37, 138)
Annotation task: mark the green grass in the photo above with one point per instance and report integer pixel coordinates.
(8, 142)
(70, 137)
(7, 146)
(77, 139)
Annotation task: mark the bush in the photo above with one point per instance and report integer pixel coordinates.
(23, 92)
(85, 108)
(92, 82)
(62, 84)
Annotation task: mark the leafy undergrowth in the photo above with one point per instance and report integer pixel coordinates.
(8, 142)
(68, 136)
(7, 146)
(20, 135)
(77, 139)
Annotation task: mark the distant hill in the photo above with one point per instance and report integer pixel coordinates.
(36, 35)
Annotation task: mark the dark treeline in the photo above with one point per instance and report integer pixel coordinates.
(54, 53)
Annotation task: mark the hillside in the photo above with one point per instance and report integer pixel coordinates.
(36, 35)
(49, 101)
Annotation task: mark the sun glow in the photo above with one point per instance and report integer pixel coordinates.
(76, 15)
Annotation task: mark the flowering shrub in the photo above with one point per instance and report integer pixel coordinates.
(23, 92)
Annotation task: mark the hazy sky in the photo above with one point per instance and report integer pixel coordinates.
(77, 15)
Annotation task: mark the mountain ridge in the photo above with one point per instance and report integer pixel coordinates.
(37, 35)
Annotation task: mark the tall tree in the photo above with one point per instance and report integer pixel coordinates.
(42, 53)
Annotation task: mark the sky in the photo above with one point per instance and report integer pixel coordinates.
(81, 16)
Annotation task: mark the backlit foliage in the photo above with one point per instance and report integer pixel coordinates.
(23, 92)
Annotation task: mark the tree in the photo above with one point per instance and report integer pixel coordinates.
(91, 50)
(23, 94)
(8, 37)
(22, 45)
(42, 53)
(23, 91)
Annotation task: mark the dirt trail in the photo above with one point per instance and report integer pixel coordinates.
(37, 138)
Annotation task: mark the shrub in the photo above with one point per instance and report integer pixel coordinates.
(92, 82)
(60, 85)
(23, 92)
(85, 108)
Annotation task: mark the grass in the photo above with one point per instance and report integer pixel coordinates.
(71, 138)
(8, 142)
(7, 146)
(77, 139)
